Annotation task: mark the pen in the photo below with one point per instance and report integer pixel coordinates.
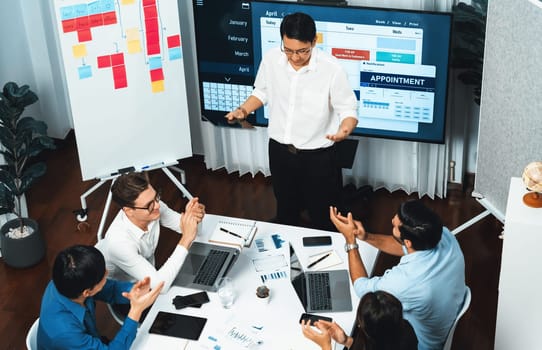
(151, 166)
(231, 233)
(317, 261)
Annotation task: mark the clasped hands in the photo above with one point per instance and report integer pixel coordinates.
(192, 216)
(350, 228)
(141, 297)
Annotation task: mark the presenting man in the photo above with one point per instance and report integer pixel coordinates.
(430, 277)
(311, 105)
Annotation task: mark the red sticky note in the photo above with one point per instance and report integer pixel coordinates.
(82, 23)
(84, 35)
(96, 20)
(157, 74)
(117, 59)
(150, 12)
(119, 77)
(153, 49)
(69, 25)
(110, 18)
(173, 41)
(149, 3)
(104, 61)
(151, 25)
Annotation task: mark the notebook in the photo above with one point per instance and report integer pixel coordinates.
(324, 260)
(235, 232)
(205, 264)
(321, 291)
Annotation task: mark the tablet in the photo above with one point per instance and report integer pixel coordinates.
(176, 325)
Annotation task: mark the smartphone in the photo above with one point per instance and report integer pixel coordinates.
(194, 300)
(313, 318)
(316, 241)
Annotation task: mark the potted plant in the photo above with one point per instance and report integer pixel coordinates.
(21, 139)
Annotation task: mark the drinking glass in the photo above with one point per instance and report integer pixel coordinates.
(226, 291)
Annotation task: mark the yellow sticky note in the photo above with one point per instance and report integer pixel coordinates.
(127, 2)
(132, 34)
(157, 86)
(79, 50)
(134, 46)
(319, 38)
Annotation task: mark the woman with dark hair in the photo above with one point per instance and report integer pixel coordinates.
(379, 326)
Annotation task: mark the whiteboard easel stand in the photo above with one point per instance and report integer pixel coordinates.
(82, 214)
(490, 209)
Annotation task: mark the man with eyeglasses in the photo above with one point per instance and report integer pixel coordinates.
(430, 277)
(311, 105)
(131, 239)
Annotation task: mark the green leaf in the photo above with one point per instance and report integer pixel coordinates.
(31, 174)
(7, 200)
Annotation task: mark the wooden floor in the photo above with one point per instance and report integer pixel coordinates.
(54, 198)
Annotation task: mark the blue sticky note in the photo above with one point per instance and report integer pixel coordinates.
(84, 72)
(175, 53)
(155, 62)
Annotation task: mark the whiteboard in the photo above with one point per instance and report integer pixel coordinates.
(511, 106)
(123, 65)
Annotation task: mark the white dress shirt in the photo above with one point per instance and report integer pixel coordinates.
(306, 104)
(129, 251)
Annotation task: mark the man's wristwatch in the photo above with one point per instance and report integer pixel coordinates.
(349, 246)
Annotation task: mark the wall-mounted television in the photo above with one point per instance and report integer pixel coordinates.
(396, 60)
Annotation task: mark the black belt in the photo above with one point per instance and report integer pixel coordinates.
(294, 150)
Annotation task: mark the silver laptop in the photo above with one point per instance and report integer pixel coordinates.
(205, 264)
(321, 291)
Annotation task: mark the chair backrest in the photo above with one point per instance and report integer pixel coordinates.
(466, 303)
(32, 336)
(116, 316)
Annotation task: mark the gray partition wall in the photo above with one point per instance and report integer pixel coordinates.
(511, 108)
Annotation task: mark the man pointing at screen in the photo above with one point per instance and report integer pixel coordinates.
(311, 106)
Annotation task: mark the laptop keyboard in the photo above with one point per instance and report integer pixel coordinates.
(320, 293)
(210, 268)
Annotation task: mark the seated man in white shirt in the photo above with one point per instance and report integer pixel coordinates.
(131, 240)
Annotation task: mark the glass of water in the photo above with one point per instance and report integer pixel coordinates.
(226, 291)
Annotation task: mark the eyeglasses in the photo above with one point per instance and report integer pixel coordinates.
(300, 52)
(150, 206)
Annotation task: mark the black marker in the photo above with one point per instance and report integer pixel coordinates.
(317, 261)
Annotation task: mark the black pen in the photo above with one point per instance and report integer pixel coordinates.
(231, 233)
(317, 261)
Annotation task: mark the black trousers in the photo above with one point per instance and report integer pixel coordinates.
(308, 179)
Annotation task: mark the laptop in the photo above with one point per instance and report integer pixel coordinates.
(204, 265)
(322, 291)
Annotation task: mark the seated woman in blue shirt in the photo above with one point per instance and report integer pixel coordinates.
(379, 326)
(68, 307)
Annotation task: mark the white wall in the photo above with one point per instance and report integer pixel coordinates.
(29, 57)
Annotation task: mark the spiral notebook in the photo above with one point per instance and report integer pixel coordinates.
(235, 232)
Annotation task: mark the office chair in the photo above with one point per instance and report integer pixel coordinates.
(116, 316)
(466, 303)
(32, 336)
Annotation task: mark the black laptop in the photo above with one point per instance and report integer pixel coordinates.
(321, 291)
(205, 264)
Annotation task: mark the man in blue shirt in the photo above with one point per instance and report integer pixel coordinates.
(68, 307)
(430, 277)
